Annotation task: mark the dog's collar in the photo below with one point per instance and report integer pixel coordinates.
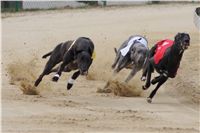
(72, 45)
(93, 55)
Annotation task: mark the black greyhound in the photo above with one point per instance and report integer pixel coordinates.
(165, 58)
(77, 54)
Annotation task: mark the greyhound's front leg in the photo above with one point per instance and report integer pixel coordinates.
(144, 73)
(148, 81)
(162, 80)
(132, 74)
(67, 60)
(122, 63)
(49, 65)
(72, 79)
(59, 72)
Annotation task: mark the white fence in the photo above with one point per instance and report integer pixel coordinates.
(50, 4)
(124, 3)
(74, 4)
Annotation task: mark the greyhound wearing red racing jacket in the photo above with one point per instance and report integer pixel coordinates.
(165, 58)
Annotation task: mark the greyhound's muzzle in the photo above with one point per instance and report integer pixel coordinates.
(140, 61)
(186, 44)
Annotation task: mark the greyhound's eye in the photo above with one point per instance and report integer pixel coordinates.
(82, 58)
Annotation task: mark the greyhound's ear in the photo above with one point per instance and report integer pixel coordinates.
(115, 49)
(177, 37)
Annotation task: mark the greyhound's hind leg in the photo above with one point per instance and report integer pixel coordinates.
(48, 67)
(38, 80)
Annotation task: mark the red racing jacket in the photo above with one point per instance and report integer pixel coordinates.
(161, 48)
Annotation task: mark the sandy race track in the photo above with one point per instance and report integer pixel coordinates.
(27, 36)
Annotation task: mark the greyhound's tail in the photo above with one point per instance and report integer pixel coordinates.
(115, 49)
(46, 55)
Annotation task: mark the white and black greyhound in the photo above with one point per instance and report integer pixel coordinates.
(73, 55)
(132, 54)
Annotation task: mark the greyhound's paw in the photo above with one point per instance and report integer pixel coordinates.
(69, 86)
(149, 100)
(55, 78)
(143, 78)
(115, 71)
(153, 82)
(36, 83)
(144, 87)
